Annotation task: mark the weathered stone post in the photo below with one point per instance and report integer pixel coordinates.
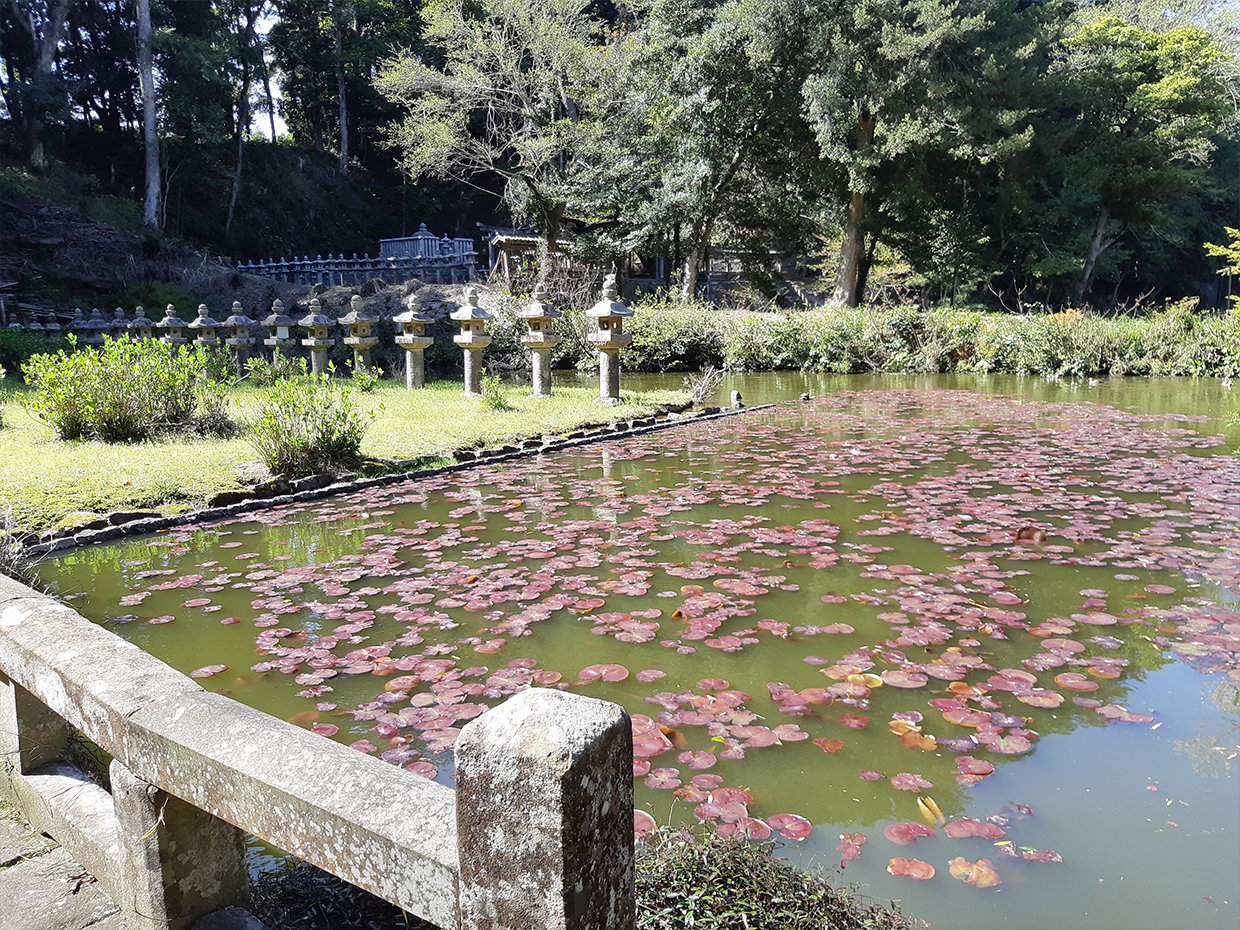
(177, 862)
(205, 327)
(171, 326)
(278, 325)
(317, 327)
(413, 339)
(610, 338)
(359, 319)
(540, 317)
(30, 735)
(239, 338)
(544, 815)
(472, 338)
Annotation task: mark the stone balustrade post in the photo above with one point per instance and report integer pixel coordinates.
(544, 815)
(30, 733)
(177, 862)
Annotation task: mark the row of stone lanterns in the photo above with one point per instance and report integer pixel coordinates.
(234, 331)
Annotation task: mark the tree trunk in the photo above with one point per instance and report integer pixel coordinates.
(694, 258)
(43, 78)
(867, 262)
(243, 111)
(340, 90)
(1096, 248)
(146, 76)
(552, 219)
(849, 280)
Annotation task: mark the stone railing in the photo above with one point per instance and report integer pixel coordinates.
(438, 269)
(538, 833)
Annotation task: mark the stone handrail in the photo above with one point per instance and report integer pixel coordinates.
(537, 834)
(438, 269)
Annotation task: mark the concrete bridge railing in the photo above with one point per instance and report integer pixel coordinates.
(537, 835)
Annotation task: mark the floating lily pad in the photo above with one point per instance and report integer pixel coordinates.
(913, 868)
(906, 833)
(980, 873)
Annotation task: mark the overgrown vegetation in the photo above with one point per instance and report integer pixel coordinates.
(1173, 340)
(308, 424)
(128, 391)
(708, 883)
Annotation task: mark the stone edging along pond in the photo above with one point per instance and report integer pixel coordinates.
(280, 491)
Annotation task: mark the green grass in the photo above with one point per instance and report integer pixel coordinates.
(48, 482)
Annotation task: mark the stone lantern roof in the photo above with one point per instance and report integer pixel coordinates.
(118, 326)
(238, 317)
(609, 307)
(412, 315)
(203, 320)
(537, 308)
(277, 317)
(358, 314)
(141, 325)
(315, 317)
(170, 319)
(469, 310)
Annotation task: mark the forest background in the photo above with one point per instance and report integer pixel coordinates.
(1031, 154)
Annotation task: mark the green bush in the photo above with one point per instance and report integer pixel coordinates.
(672, 336)
(307, 425)
(17, 345)
(126, 391)
(263, 372)
(712, 883)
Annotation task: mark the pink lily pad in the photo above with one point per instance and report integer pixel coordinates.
(899, 678)
(850, 845)
(913, 868)
(908, 781)
(207, 671)
(967, 827)
(854, 721)
(791, 826)
(907, 833)
(643, 824)
(607, 671)
(697, 760)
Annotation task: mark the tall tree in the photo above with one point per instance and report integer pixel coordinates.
(33, 31)
(150, 139)
(1147, 104)
(509, 102)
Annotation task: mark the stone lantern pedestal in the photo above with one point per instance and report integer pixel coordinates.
(205, 328)
(171, 326)
(118, 327)
(280, 327)
(359, 320)
(239, 339)
(540, 319)
(413, 339)
(610, 338)
(318, 327)
(473, 338)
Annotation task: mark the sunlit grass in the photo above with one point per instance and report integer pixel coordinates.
(45, 480)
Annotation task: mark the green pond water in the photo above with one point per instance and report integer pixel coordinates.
(743, 577)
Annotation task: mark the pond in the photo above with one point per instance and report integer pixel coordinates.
(1010, 601)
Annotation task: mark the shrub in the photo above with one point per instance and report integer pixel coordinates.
(365, 380)
(672, 336)
(262, 372)
(18, 345)
(307, 425)
(728, 884)
(126, 391)
(493, 394)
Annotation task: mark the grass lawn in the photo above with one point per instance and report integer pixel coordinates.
(46, 481)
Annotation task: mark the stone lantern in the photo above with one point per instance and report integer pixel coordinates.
(77, 325)
(413, 339)
(279, 326)
(95, 328)
(610, 338)
(318, 328)
(539, 319)
(359, 321)
(118, 326)
(141, 327)
(238, 338)
(205, 328)
(171, 326)
(473, 338)
(52, 326)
